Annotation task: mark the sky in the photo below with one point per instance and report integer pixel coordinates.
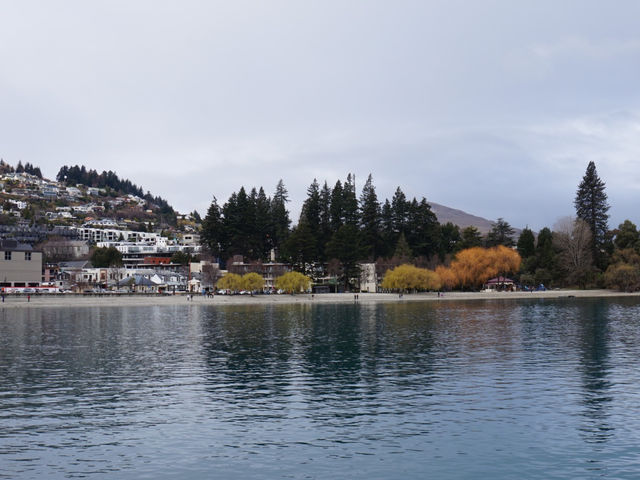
(493, 107)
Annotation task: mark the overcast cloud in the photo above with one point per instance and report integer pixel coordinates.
(493, 107)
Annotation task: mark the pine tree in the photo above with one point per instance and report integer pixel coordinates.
(325, 214)
(627, 236)
(399, 212)
(526, 243)
(388, 235)
(403, 253)
(471, 237)
(592, 207)
(280, 220)
(238, 226)
(545, 257)
(212, 229)
(337, 209)
(422, 229)
(370, 219)
(311, 208)
(263, 223)
(501, 234)
(300, 248)
(350, 201)
(449, 239)
(345, 245)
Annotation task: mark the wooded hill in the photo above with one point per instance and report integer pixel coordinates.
(71, 176)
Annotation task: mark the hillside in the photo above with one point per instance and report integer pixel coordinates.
(458, 217)
(32, 206)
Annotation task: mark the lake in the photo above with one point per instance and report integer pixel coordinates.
(480, 389)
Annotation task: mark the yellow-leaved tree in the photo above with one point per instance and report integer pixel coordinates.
(252, 281)
(230, 281)
(293, 282)
(447, 277)
(409, 277)
(474, 266)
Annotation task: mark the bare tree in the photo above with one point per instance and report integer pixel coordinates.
(210, 275)
(572, 237)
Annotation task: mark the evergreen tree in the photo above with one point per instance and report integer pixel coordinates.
(627, 236)
(345, 245)
(399, 212)
(238, 226)
(526, 243)
(545, 258)
(544, 248)
(388, 234)
(310, 214)
(106, 257)
(300, 248)
(311, 208)
(501, 234)
(211, 232)
(450, 239)
(263, 224)
(471, 237)
(325, 214)
(370, 219)
(422, 229)
(592, 207)
(280, 221)
(337, 209)
(403, 253)
(350, 201)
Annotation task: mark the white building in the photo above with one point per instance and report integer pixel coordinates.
(191, 239)
(98, 235)
(368, 278)
(20, 205)
(73, 191)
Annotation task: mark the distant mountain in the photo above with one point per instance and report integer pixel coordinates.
(460, 218)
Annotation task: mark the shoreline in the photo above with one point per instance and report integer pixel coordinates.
(72, 300)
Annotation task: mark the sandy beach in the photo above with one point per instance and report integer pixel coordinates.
(71, 300)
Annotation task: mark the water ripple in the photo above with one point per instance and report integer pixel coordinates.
(533, 389)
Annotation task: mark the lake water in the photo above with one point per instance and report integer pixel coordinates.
(498, 390)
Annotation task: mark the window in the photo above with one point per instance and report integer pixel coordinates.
(27, 256)
(7, 255)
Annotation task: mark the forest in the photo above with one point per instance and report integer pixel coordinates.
(338, 229)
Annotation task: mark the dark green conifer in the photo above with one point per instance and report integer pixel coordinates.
(592, 207)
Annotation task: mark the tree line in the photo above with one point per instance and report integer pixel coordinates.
(79, 175)
(338, 229)
(582, 250)
(20, 168)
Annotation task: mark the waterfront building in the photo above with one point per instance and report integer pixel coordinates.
(368, 278)
(269, 271)
(20, 265)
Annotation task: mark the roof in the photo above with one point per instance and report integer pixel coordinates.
(137, 280)
(14, 246)
(74, 265)
(499, 280)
